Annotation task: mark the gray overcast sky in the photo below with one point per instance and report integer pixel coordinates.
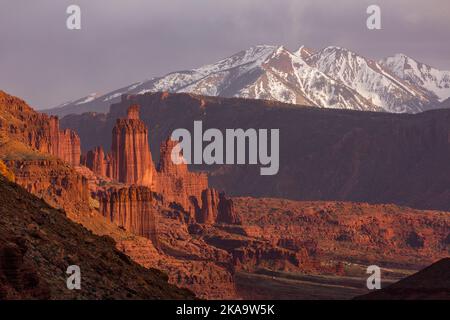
(122, 42)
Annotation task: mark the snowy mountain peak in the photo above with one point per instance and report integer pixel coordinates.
(333, 77)
(304, 52)
(433, 82)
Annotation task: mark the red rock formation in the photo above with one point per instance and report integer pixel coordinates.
(166, 164)
(132, 208)
(215, 208)
(356, 231)
(209, 211)
(95, 160)
(176, 183)
(38, 131)
(69, 147)
(130, 153)
(133, 112)
(131, 163)
(251, 256)
(226, 212)
(54, 181)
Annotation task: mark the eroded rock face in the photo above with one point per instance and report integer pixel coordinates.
(130, 162)
(54, 181)
(38, 131)
(95, 160)
(215, 208)
(132, 208)
(69, 147)
(130, 153)
(226, 212)
(359, 231)
(175, 182)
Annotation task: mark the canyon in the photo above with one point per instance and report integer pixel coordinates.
(336, 155)
(167, 216)
(38, 243)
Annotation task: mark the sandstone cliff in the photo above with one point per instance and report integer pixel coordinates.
(96, 161)
(38, 131)
(132, 208)
(53, 181)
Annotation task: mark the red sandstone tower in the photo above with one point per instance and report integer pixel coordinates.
(130, 153)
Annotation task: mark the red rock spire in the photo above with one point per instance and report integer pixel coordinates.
(130, 153)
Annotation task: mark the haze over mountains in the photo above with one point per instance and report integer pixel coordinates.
(332, 77)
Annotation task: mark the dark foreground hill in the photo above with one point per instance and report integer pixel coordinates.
(430, 283)
(324, 154)
(38, 243)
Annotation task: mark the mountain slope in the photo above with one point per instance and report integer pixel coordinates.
(434, 82)
(38, 243)
(330, 78)
(261, 72)
(287, 77)
(370, 79)
(431, 283)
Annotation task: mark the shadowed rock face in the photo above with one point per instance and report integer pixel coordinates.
(95, 160)
(36, 250)
(431, 283)
(324, 154)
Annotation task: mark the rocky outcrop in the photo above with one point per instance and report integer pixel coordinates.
(18, 279)
(248, 257)
(226, 212)
(54, 181)
(132, 208)
(215, 208)
(69, 147)
(176, 183)
(38, 131)
(387, 233)
(95, 160)
(131, 160)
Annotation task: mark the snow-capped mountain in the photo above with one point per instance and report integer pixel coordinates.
(287, 77)
(329, 78)
(435, 82)
(370, 79)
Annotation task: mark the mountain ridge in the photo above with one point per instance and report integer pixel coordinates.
(332, 77)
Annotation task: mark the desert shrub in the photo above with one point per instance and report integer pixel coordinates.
(6, 172)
